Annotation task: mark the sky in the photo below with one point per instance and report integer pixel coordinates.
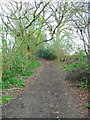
(46, 0)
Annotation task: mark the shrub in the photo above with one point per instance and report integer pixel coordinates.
(46, 53)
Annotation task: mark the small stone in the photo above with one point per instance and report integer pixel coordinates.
(57, 117)
(56, 112)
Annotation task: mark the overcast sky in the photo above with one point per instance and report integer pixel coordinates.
(45, 0)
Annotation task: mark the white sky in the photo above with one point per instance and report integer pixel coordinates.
(46, 0)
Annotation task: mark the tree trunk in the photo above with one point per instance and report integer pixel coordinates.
(88, 27)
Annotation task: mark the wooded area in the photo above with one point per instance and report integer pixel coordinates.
(52, 30)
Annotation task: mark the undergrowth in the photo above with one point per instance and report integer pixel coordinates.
(10, 77)
(81, 63)
(5, 99)
(88, 106)
(83, 66)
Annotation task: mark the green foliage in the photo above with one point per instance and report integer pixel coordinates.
(5, 99)
(8, 83)
(88, 105)
(25, 68)
(4, 85)
(17, 82)
(10, 76)
(68, 67)
(46, 53)
(81, 63)
(83, 85)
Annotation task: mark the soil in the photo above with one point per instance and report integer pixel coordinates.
(47, 95)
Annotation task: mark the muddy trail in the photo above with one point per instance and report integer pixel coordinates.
(45, 97)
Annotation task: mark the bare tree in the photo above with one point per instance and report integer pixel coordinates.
(82, 24)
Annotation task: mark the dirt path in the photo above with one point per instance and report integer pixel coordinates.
(46, 97)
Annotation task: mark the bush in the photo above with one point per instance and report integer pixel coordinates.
(46, 53)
